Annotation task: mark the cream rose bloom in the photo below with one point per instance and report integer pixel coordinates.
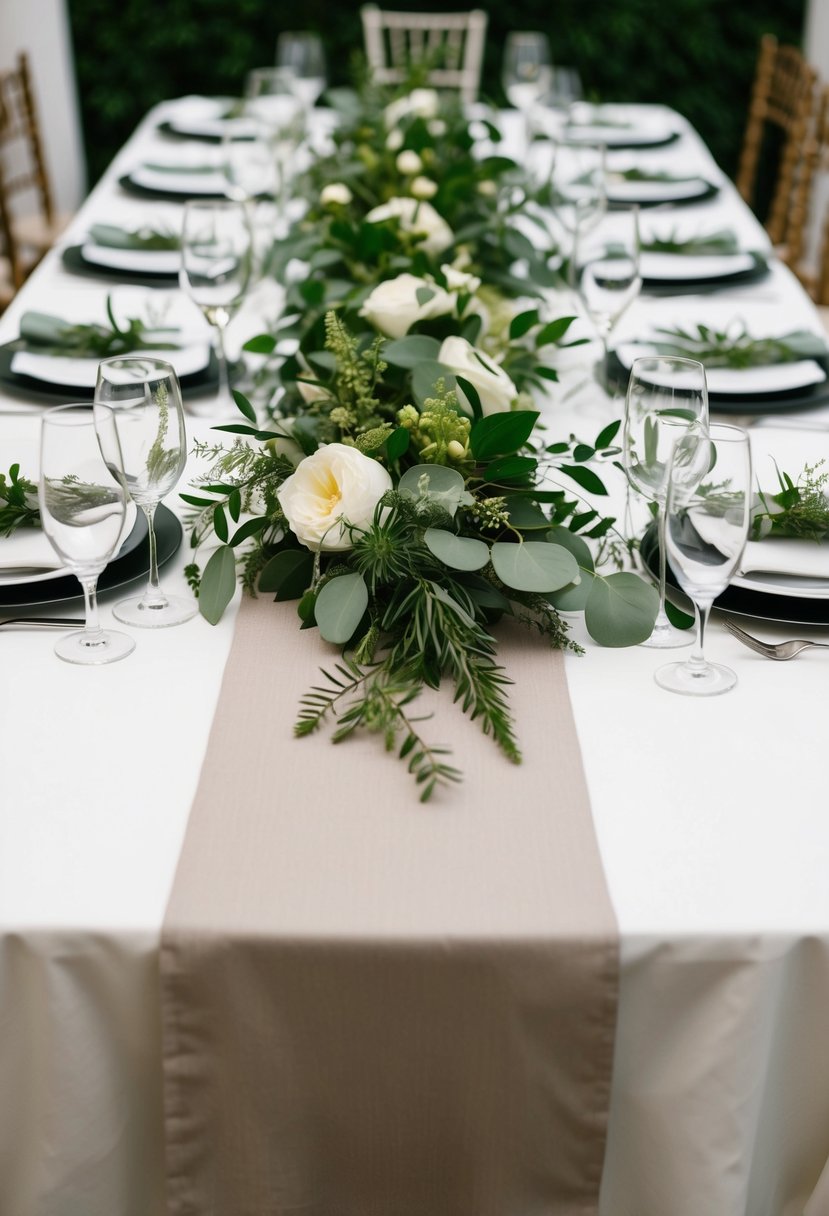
(459, 280)
(334, 486)
(416, 217)
(393, 306)
(423, 187)
(495, 389)
(408, 163)
(420, 103)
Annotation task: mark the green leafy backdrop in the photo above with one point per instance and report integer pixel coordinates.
(697, 55)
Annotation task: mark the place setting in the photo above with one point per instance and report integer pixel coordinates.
(618, 126)
(139, 251)
(648, 183)
(55, 356)
(678, 260)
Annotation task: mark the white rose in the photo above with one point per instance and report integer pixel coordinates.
(495, 389)
(335, 486)
(311, 392)
(335, 194)
(459, 280)
(436, 127)
(393, 306)
(423, 187)
(417, 217)
(421, 103)
(394, 142)
(408, 163)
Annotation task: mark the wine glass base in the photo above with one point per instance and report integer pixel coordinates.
(140, 615)
(704, 680)
(94, 649)
(666, 637)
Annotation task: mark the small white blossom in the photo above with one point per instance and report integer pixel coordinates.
(487, 188)
(335, 194)
(416, 217)
(436, 127)
(394, 140)
(423, 187)
(408, 163)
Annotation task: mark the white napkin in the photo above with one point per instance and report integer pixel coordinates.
(148, 261)
(83, 373)
(796, 558)
(27, 556)
(670, 266)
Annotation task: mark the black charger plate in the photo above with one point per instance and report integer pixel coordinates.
(710, 192)
(739, 601)
(673, 287)
(171, 196)
(132, 563)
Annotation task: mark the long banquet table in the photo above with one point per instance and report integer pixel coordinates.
(710, 816)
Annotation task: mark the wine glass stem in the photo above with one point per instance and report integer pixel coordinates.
(153, 597)
(224, 382)
(92, 634)
(661, 520)
(696, 659)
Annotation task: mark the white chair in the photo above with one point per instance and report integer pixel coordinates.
(451, 45)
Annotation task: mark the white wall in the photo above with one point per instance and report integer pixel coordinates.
(41, 28)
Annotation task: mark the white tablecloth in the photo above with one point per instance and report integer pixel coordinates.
(711, 818)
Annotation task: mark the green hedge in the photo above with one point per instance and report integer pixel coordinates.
(697, 55)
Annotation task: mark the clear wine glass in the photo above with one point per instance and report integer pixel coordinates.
(526, 73)
(273, 102)
(144, 396)
(248, 166)
(301, 53)
(579, 193)
(665, 397)
(217, 255)
(606, 270)
(708, 513)
(83, 501)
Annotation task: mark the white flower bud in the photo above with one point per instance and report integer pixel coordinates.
(335, 194)
(408, 163)
(423, 187)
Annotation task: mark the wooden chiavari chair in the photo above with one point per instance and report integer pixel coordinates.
(782, 99)
(31, 221)
(450, 44)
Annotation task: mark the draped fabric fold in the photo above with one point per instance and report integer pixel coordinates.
(372, 1007)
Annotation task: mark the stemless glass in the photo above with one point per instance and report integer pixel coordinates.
(301, 53)
(83, 501)
(606, 270)
(144, 397)
(665, 397)
(216, 266)
(708, 512)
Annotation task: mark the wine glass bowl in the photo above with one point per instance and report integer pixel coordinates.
(301, 53)
(83, 496)
(708, 513)
(606, 257)
(665, 397)
(216, 266)
(144, 396)
(526, 71)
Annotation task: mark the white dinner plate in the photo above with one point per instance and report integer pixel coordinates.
(188, 184)
(83, 373)
(725, 381)
(141, 261)
(32, 546)
(620, 190)
(668, 267)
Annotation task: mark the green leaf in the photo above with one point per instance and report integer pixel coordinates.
(288, 573)
(234, 504)
(340, 607)
(443, 486)
(525, 514)
(678, 618)
(424, 294)
(220, 522)
(249, 528)
(412, 350)
(457, 552)
(218, 584)
(508, 468)
(501, 434)
(621, 610)
(582, 452)
(471, 394)
(586, 478)
(522, 323)
(397, 443)
(606, 437)
(244, 406)
(553, 332)
(574, 596)
(534, 566)
(263, 344)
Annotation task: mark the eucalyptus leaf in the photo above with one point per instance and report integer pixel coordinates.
(218, 584)
(287, 573)
(424, 378)
(436, 483)
(457, 552)
(411, 350)
(621, 610)
(340, 606)
(534, 565)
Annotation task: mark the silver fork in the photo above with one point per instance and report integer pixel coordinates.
(44, 622)
(781, 651)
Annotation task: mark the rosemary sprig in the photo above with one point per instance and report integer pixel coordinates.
(800, 509)
(144, 238)
(18, 502)
(723, 241)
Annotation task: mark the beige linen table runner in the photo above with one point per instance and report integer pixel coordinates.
(373, 1007)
